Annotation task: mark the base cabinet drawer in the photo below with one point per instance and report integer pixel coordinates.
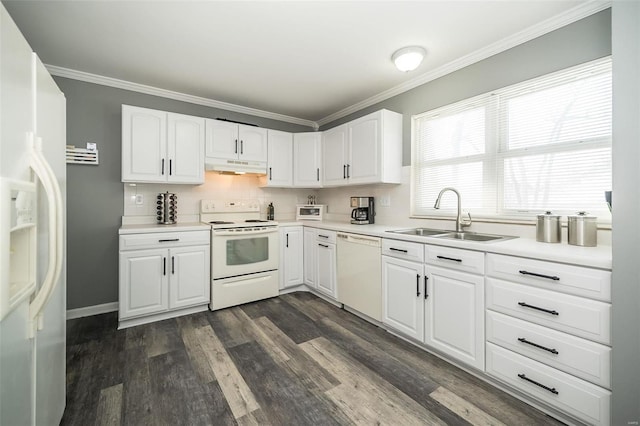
(577, 280)
(585, 401)
(582, 358)
(574, 315)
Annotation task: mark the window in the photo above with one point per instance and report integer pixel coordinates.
(544, 144)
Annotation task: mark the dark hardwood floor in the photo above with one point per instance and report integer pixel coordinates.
(291, 360)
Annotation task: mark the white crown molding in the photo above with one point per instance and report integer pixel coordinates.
(554, 23)
(156, 91)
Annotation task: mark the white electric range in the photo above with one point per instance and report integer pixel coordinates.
(244, 252)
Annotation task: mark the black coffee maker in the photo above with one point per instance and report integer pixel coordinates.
(363, 212)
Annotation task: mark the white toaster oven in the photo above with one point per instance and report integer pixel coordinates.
(309, 211)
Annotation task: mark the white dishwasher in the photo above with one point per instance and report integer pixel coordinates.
(359, 273)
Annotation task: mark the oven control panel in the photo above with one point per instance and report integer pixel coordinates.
(229, 206)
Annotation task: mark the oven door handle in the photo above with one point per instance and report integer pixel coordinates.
(220, 232)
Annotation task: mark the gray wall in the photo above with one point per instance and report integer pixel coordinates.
(95, 193)
(626, 227)
(582, 41)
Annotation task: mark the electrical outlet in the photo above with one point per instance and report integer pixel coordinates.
(385, 201)
(139, 199)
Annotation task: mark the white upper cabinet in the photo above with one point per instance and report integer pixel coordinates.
(279, 160)
(253, 143)
(307, 157)
(144, 145)
(366, 150)
(185, 145)
(222, 139)
(228, 142)
(334, 156)
(161, 147)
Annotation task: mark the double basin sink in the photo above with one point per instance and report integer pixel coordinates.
(462, 236)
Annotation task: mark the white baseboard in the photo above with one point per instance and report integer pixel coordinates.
(92, 310)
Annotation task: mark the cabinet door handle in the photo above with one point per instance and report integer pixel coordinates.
(449, 258)
(163, 166)
(400, 250)
(323, 245)
(164, 266)
(344, 171)
(525, 305)
(552, 390)
(549, 277)
(173, 265)
(348, 171)
(170, 167)
(169, 240)
(418, 285)
(241, 147)
(318, 174)
(287, 240)
(270, 174)
(426, 278)
(236, 151)
(523, 340)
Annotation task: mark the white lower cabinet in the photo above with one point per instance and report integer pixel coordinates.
(548, 340)
(157, 283)
(454, 320)
(444, 308)
(402, 297)
(291, 256)
(310, 255)
(587, 402)
(326, 263)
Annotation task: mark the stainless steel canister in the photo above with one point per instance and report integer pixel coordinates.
(548, 228)
(583, 230)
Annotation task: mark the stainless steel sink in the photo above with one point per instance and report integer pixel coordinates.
(463, 236)
(424, 232)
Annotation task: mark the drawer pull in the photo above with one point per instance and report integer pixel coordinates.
(552, 390)
(323, 245)
(523, 340)
(169, 240)
(525, 305)
(323, 236)
(549, 277)
(449, 258)
(418, 285)
(400, 250)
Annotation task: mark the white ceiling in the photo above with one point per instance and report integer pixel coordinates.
(307, 60)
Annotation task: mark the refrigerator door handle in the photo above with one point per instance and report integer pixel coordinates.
(54, 199)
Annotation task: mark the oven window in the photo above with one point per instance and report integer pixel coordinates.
(247, 251)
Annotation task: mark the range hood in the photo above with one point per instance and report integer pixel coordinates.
(235, 166)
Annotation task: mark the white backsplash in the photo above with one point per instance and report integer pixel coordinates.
(219, 186)
(216, 187)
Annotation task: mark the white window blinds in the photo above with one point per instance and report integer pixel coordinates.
(544, 144)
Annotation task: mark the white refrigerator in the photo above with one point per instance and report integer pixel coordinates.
(32, 236)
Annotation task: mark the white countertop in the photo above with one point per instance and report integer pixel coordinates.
(155, 227)
(595, 257)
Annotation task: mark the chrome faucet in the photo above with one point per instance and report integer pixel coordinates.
(460, 223)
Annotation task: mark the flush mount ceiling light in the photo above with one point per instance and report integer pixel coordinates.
(408, 58)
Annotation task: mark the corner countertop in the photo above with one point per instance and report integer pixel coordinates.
(155, 227)
(594, 257)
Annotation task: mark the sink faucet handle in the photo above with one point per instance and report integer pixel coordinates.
(466, 222)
